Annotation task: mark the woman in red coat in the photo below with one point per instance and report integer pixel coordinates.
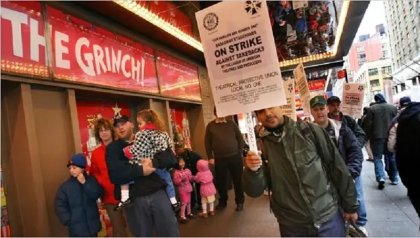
(104, 132)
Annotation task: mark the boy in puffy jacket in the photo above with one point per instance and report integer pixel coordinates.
(75, 201)
(207, 188)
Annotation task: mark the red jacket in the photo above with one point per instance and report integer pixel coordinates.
(99, 170)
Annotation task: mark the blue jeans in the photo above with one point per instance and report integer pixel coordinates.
(334, 227)
(152, 215)
(361, 211)
(166, 176)
(378, 149)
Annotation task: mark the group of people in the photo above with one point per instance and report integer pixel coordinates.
(311, 170)
(131, 171)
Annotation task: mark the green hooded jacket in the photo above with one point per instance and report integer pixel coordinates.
(306, 189)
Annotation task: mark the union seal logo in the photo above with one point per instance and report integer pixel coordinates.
(210, 21)
(253, 7)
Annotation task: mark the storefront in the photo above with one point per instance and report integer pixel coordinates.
(61, 70)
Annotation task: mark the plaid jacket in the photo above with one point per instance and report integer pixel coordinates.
(149, 142)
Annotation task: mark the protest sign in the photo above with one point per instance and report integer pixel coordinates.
(352, 100)
(302, 85)
(241, 59)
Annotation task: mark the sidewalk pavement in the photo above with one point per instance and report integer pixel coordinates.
(389, 211)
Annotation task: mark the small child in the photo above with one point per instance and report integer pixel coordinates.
(75, 201)
(183, 179)
(149, 140)
(207, 188)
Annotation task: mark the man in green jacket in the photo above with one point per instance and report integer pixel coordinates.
(313, 192)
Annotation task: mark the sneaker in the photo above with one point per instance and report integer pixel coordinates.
(381, 184)
(190, 216)
(394, 182)
(211, 213)
(363, 229)
(122, 204)
(203, 214)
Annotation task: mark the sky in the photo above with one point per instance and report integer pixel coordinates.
(375, 14)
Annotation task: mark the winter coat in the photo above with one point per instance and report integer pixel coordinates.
(358, 132)
(121, 171)
(348, 147)
(392, 137)
(76, 208)
(308, 177)
(182, 179)
(148, 142)
(99, 170)
(353, 125)
(205, 178)
(379, 119)
(408, 148)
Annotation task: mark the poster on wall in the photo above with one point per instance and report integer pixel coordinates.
(352, 99)
(180, 127)
(241, 57)
(90, 111)
(302, 86)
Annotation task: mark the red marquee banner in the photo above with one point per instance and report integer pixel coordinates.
(90, 54)
(87, 54)
(177, 78)
(23, 44)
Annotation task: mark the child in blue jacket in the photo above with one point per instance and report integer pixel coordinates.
(75, 201)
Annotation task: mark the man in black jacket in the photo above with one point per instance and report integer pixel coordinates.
(408, 152)
(378, 120)
(152, 208)
(334, 112)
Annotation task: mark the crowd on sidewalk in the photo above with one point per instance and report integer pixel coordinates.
(311, 170)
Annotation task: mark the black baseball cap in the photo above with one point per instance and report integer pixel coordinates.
(119, 119)
(333, 99)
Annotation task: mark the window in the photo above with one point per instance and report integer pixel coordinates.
(386, 70)
(374, 83)
(373, 72)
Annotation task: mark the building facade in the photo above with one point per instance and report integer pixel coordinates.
(376, 76)
(367, 49)
(404, 25)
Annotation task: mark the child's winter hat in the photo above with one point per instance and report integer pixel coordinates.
(78, 160)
